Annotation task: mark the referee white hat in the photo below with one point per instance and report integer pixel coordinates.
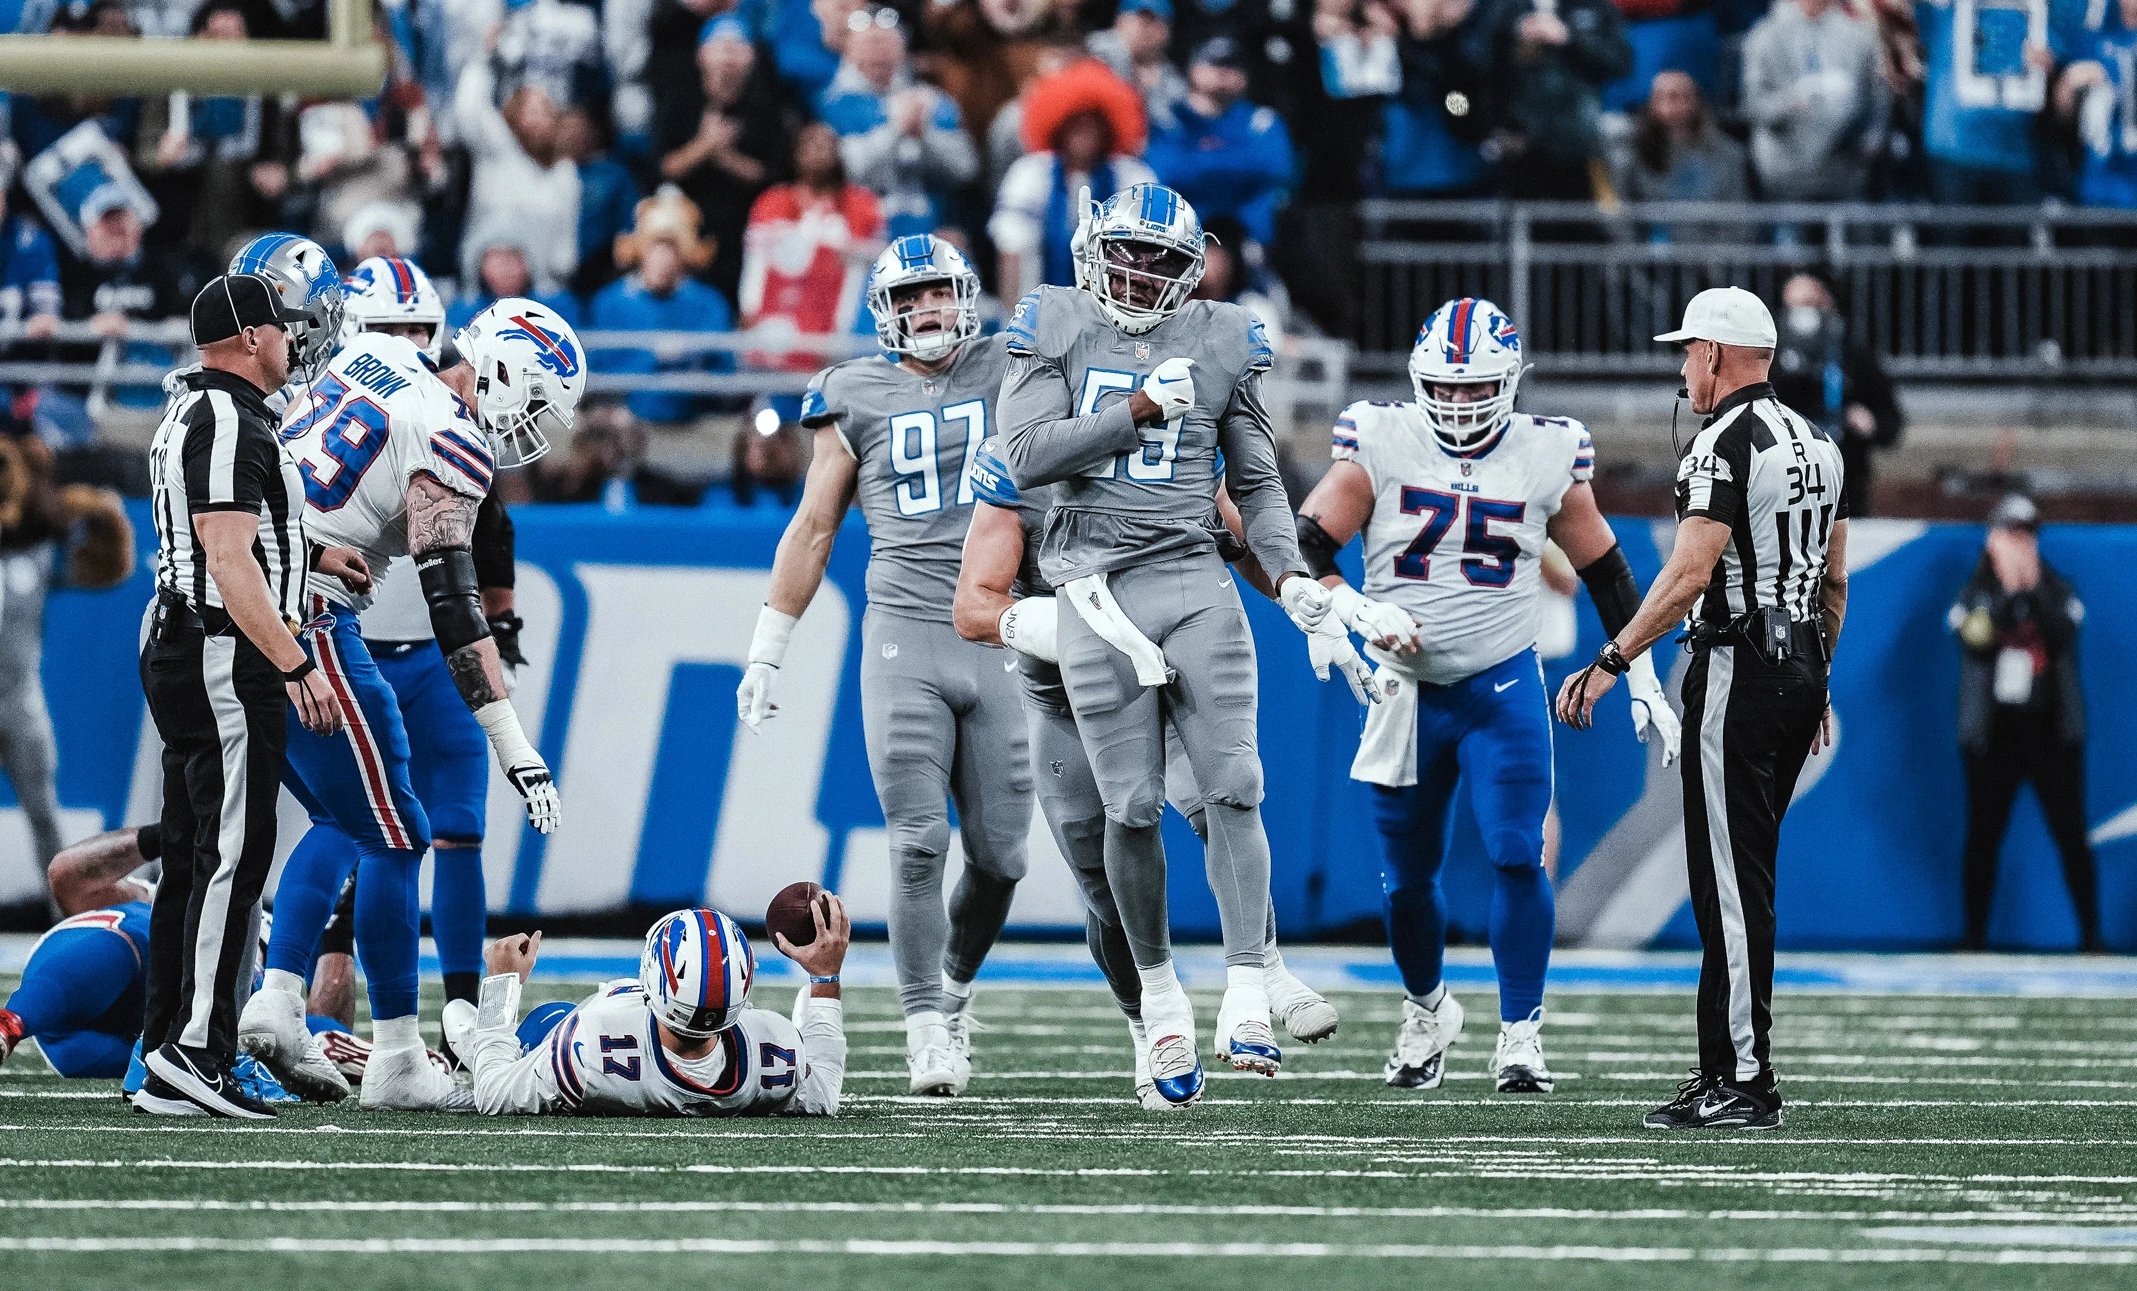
(1726, 316)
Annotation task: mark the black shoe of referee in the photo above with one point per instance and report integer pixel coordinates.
(202, 1080)
(1710, 1103)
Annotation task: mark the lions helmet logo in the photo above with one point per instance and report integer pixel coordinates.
(552, 351)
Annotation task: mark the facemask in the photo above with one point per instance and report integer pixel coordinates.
(1805, 320)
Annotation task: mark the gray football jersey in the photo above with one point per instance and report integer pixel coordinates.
(913, 436)
(1134, 495)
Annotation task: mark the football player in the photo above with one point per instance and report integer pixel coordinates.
(940, 714)
(682, 1040)
(1004, 599)
(1128, 395)
(1456, 493)
(396, 457)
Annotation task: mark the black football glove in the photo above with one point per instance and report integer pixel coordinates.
(504, 630)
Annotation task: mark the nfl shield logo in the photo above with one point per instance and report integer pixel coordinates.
(1467, 469)
(928, 386)
(1142, 349)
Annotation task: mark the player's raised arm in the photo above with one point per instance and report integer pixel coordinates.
(1043, 440)
(804, 550)
(507, 1082)
(823, 1034)
(1581, 532)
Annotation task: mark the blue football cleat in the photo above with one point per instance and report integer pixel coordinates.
(254, 1078)
(136, 1072)
(1176, 1071)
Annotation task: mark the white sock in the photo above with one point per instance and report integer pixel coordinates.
(1431, 999)
(956, 992)
(1250, 980)
(278, 979)
(1135, 1028)
(390, 1035)
(1158, 981)
(1272, 964)
(925, 1028)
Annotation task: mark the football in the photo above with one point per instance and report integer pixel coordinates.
(789, 913)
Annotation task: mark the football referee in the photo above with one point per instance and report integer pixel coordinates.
(221, 666)
(1760, 570)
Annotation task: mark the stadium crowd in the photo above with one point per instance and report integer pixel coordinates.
(701, 165)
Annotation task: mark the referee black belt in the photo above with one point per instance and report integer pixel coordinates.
(174, 611)
(1764, 634)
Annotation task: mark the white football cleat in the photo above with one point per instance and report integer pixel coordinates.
(1175, 1063)
(411, 1080)
(1243, 1035)
(1420, 1057)
(1517, 1065)
(934, 1071)
(1305, 1012)
(272, 1029)
(962, 1024)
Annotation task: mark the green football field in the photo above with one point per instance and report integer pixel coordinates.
(1946, 1141)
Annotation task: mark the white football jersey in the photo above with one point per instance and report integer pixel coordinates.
(1457, 540)
(605, 1059)
(398, 611)
(376, 418)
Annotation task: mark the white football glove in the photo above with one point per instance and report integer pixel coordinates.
(523, 767)
(767, 650)
(1330, 644)
(1651, 708)
(1171, 386)
(1305, 601)
(1032, 626)
(1390, 627)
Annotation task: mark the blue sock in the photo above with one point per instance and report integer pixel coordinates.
(73, 979)
(87, 1055)
(459, 909)
(320, 1024)
(388, 928)
(304, 897)
(1523, 918)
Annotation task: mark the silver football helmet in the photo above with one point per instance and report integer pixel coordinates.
(1141, 256)
(310, 284)
(917, 261)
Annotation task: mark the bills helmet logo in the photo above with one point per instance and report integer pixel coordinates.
(552, 351)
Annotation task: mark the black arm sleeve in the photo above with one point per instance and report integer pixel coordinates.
(448, 576)
(1610, 586)
(495, 556)
(1317, 548)
(149, 839)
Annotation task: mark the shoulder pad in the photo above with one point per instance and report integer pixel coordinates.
(990, 477)
(815, 406)
(1260, 355)
(1023, 329)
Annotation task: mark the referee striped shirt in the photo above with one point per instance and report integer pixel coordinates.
(217, 450)
(1778, 482)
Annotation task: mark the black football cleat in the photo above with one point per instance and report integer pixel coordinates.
(1710, 1103)
(207, 1083)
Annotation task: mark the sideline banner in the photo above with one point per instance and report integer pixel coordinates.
(638, 624)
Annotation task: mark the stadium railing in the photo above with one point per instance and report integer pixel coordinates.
(2013, 293)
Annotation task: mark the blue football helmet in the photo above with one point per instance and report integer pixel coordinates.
(1140, 254)
(1467, 342)
(310, 284)
(917, 261)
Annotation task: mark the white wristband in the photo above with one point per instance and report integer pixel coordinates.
(501, 724)
(499, 1010)
(1344, 602)
(769, 643)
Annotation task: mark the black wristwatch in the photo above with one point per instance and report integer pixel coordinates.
(300, 672)
(1611, 659)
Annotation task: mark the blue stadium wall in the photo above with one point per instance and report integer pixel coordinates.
(638, 625)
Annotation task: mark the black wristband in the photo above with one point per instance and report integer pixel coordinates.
(300, 672)
(1610, 659)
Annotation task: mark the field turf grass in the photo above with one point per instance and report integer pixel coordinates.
(1943, 1141)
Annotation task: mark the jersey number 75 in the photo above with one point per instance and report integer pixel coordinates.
(1488, 558)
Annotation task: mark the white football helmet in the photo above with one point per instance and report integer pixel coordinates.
(529, 373)
(387, 291)
(913, 262)
(1467, 342)
(696, 970)
(306, 277)
(1142, 256)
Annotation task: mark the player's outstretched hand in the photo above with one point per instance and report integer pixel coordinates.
(1390, 627)
(346, 564)
(824, 956)
(1306, 601)
(1330, 644)
(1171, 386)
(512, 954)
(545, 810)
(753, 698)
(1651, 711)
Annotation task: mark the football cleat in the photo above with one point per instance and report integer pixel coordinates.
(1517, 1065)
(934, 1071)
(1243, 1036)
(10, 1033)
(1420, 1057)
(1709, 1103)
(1146, 1086)
(410, 1080)
(136, 1073)
(348, 1052)
(197, 1078)
(272, 1029)
(962, 1024)
(254, 1078)
(1305, 1012)
(1175, 1072)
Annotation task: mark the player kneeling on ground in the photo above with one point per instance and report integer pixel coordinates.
(682, 1040)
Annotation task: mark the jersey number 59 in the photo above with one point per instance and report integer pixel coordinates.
(347, 447)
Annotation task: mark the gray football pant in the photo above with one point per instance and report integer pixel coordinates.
(1075, 814)
(31, 760)
(1191, 609)
(943, 720)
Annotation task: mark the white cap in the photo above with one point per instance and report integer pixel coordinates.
(1726, 316)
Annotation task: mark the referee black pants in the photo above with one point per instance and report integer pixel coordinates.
(1748, 725)
(222, 712)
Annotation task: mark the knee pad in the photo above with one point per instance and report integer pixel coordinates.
(918, 848)
(1235, 781)
(1515, 849)
(1140, 807)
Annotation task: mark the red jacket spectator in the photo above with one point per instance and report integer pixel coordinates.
(807, 249)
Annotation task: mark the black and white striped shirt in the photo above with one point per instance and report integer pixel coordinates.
(217, 450)
(1777, 481)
